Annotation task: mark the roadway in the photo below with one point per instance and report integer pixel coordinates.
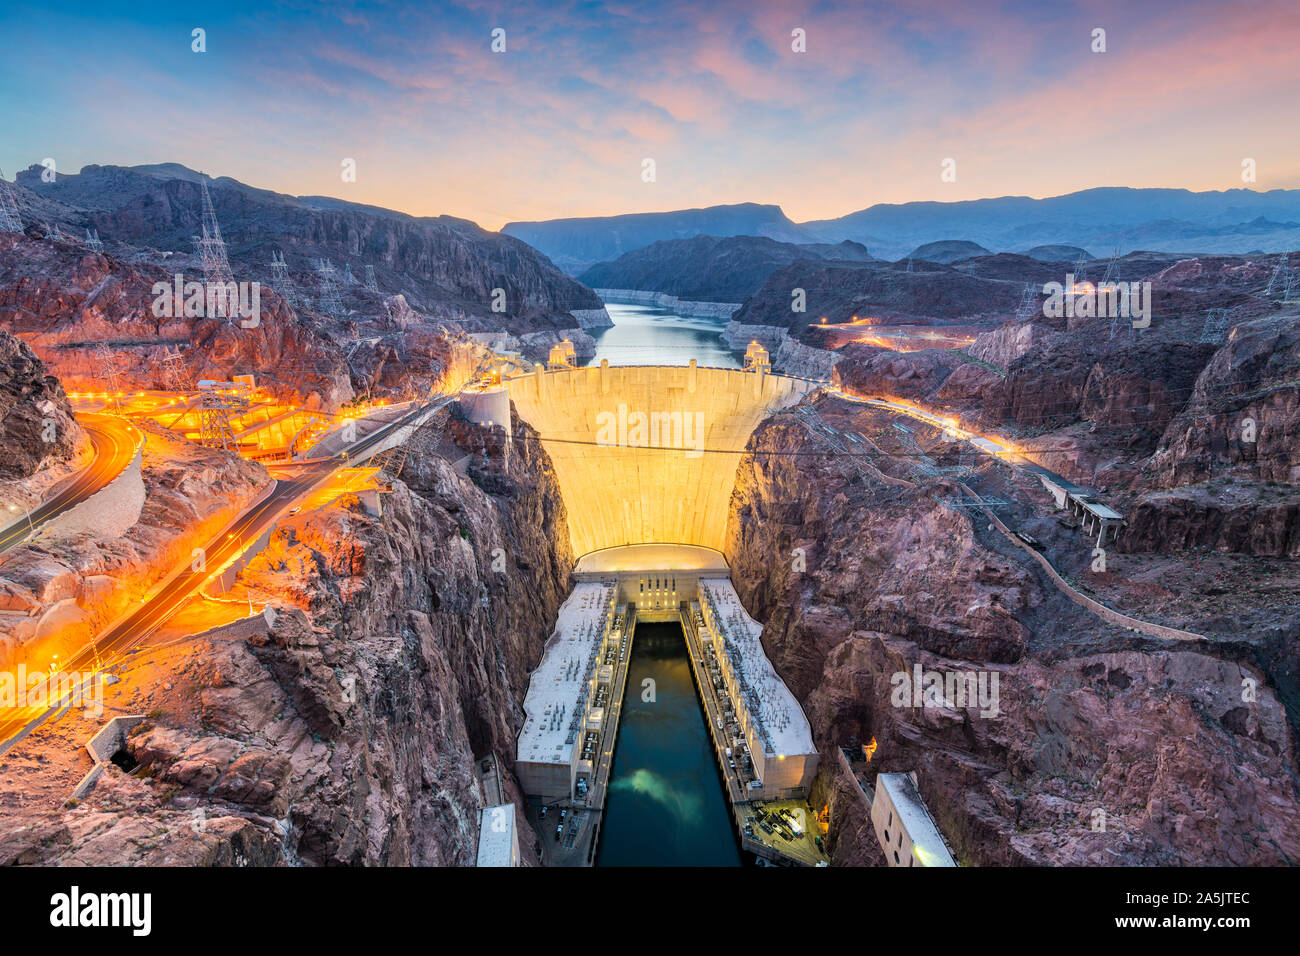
(993, 447)
(115, 442)
(184, 583)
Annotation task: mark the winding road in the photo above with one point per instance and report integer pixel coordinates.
(185, 581)
(115, 442)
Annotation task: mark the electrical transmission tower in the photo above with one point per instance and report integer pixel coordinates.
(283, 282)
(10, 221)
(329, 293)
(1283, 282)
(818, 429)
(212, 248)
(52, 232)
(426, 437)
(1028, 303)
(1216, 326)
(93, 241)
(216, 407)
(173, 372)
(923, 463)
(1081, 271)
(348, 278)
(371, 284)
(1112, 268)
(106, 371)
(909, 263)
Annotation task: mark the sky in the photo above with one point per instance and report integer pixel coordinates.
(561, 123)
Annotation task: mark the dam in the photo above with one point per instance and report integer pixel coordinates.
(648, 454)
(646, 458)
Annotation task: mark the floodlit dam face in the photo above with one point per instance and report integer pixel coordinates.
(648, 454)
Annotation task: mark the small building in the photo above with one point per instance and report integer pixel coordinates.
(757, 358)
(498, 839)
(904, 827)
(563, 355)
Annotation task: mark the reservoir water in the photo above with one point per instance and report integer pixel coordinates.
(666, 805)
(646, 335)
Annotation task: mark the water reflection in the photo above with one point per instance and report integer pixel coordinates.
(645, 335)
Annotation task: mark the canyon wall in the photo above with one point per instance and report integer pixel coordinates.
(349, 732)
(855, 585)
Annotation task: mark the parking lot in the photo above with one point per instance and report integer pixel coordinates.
(787, 826)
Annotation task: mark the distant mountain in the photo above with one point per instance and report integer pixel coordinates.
(1058, 253)
(1171, 220)
(948, 251)
(446, 267)
(576, 244)
(710, 268)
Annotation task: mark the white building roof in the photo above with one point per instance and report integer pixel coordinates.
(930, 849)
(496, 835)
(783, 726)
(557, 690)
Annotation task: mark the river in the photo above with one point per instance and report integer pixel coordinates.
(666, 805)
(646, 335)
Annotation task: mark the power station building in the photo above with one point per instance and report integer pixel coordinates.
(568, 696)
(906, 831)
(766, 714)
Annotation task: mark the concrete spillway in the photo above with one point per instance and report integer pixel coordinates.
(648, 454)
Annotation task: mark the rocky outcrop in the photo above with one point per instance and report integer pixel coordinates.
(73, 579)
(448, 268)
(707, 269)
(858, 584)
(66, 301)
(37, 428)
(839, 291)
(69, 304)
(1243, 411)
(347, 734)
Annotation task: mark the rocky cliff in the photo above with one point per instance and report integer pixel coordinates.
(857, 583)
(447, 268)
(37, 428)
(348, 732)
(709, 268)
(71, 305)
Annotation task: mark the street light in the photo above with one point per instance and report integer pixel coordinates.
(30, 527)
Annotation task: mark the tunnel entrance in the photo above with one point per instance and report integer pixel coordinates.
(666, 803)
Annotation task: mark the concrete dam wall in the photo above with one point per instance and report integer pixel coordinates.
(648, 454)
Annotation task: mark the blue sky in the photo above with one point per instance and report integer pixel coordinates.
(560, 124)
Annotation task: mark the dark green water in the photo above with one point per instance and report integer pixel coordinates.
(645, 335)
(666, 805)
